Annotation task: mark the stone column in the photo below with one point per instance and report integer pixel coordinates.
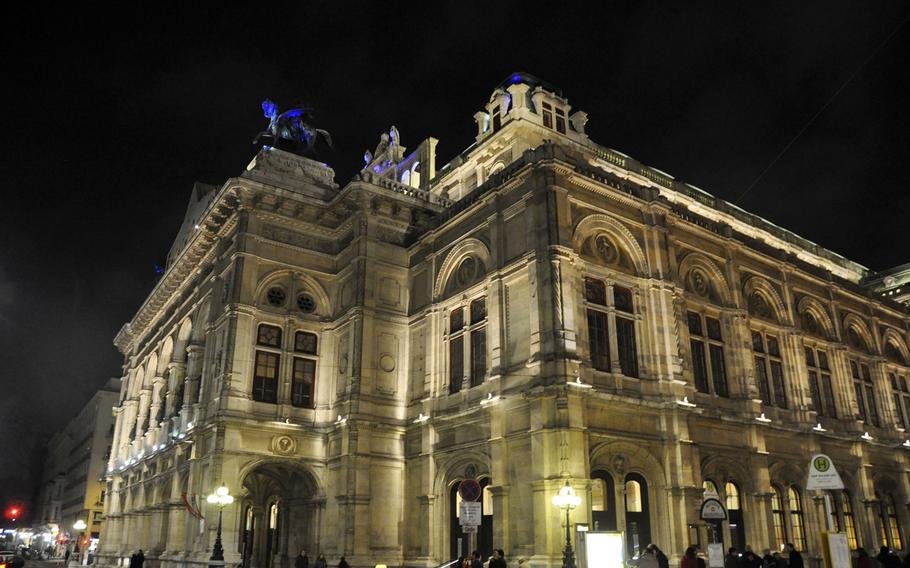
(159, 390)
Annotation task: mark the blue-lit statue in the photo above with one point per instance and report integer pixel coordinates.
(290, 130)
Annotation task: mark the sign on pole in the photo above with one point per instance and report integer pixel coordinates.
(469, 515)
(713, 510)
(822, 474)
(716, 555)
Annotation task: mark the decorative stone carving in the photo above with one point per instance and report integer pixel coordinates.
(284, 445)
(620, 464)
(697, 282)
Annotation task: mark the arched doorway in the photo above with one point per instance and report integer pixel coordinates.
(603, 501)
(460, 542)
(638, 515)
(279, 514)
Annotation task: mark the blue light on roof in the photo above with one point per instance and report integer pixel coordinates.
(516, 78)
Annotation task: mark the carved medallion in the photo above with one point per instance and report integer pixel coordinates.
(698, 282)
(284, 445)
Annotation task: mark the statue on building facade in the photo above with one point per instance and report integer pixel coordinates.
(290, 130)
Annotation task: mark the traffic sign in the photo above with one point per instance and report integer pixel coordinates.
(469, 490)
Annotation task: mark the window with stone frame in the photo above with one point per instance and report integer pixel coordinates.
(820, 381)
(611, 326)
(267, 364)
(303, 372)
(844, 520)
(706, 344)
(901, 399)
(778, 518)
(797, 521)
(548, 113)
(468, 344)
(864, 390)
(889, 525)
(769, 370)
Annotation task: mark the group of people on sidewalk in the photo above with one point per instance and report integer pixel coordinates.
(303, 561)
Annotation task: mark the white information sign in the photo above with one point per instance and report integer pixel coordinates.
(467, 529)
(604, 549)
(839, 551)
(822, 474)
(716, 555)
(469, 515)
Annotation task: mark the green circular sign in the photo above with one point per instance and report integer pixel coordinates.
(822, 464)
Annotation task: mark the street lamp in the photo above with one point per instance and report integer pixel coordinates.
(567, 499)
(220, 497)
(79, 526)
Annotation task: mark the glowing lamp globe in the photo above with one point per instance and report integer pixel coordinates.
(566, 498)
(79, 525)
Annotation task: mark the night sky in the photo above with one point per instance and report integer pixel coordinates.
(110, 119)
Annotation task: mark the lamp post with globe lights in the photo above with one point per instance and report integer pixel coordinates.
(567, 500)
(221, 497)
(80, 527)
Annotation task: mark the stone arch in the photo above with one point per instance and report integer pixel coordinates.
(758, 285)
(785, 474)
(167, 350)
(137, 380)
(286, 466)
(184, 332)
(716, 287)
(454, 468)
(200, 320)
(591, 225)
(854, 323)
(295, 282)
(619, 458)
(892, 338)
(469, 247)
(151, 368)
(723, 469)
(810, 305)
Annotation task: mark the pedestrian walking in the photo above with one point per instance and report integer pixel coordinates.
(662, 559)
(731, 560)
(768, 560)
(887, 558)
(689, 560)
(794, 558)
(137, 560)
(647, 560)
(497, 560)
(343, 563)
(302, 560)
(863, 559)
(320, 562)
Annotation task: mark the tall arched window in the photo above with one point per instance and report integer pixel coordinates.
(735, 516)
(890, 527)
(603, 505)
(638, 522)
(796, 519)
(474, 333)
(769, 372)
(864, 389)
(846, 506)
(271, 544)
(777, 515)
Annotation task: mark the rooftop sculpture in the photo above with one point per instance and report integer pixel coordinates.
(290, 130)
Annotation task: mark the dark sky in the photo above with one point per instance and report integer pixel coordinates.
(111, 118)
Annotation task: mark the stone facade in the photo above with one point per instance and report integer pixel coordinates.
(541, 309)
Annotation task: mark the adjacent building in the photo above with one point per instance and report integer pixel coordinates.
(73, 485)
(540, 310)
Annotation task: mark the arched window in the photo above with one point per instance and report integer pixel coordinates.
(777, 515)
(849, 526)
(901, 399)
(890, 527)
(709, 486)
(796, 519)
(603, 505)
(406, 177)
(638, 521)
(272, 542)
(735, 515)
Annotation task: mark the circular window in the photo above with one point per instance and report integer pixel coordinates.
(276, 296)
(306, 303)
